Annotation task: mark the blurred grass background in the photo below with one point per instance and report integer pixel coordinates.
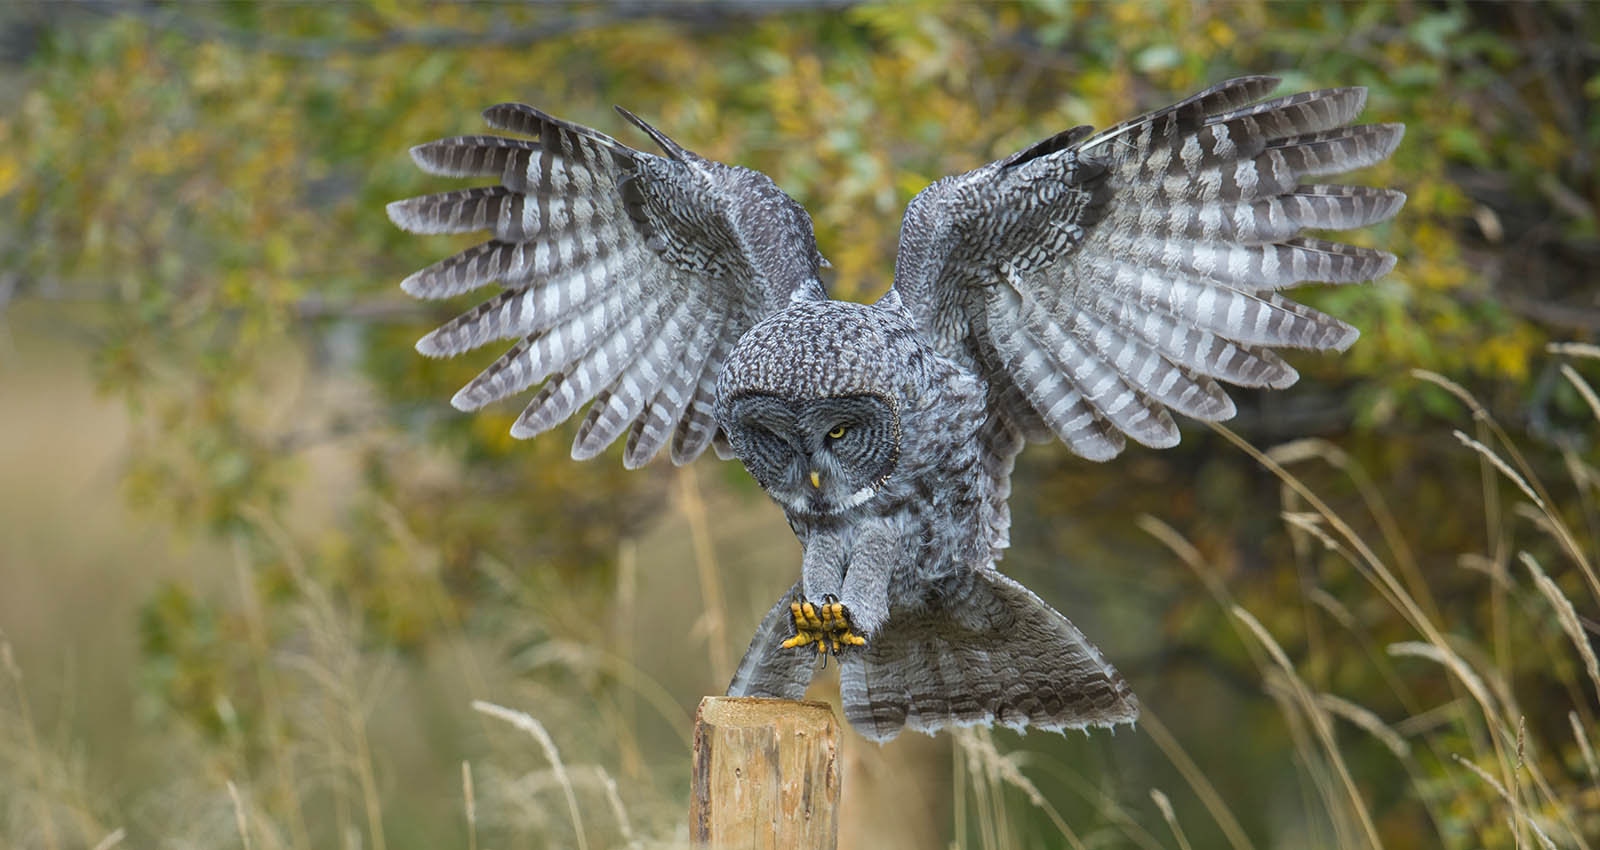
(254, 570)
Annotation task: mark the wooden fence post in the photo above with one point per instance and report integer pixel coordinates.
(766, 775)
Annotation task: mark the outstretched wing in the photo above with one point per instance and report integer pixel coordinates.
(1099, 280)
(626, 277)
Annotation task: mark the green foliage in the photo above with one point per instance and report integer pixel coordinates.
(199, 191)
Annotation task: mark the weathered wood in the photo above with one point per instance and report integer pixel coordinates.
(766, 775)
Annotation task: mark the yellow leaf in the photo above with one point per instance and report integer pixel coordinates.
(1221, 34)
(10, 170)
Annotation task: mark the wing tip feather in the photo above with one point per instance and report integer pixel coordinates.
(1390, 136)
(1259, 85)
(631, 461)
(522, 429)
(1360, 95)
(1226, 409)
(1393, 200)
(401, 215)
(467, 400)
(419, 156)
(1346, 338)
(1163, 439)
(684, 452)
(502, 116)
(1099, 451)
(429, 346)
(1282, 381)
(1386, 264)
(667, 145)
(414, 286)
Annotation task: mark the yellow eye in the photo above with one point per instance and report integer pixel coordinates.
(836, 433)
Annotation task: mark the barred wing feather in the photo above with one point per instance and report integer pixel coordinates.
(1101, 280)
(625, 277)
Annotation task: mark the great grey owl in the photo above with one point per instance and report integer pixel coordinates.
(1078, 289)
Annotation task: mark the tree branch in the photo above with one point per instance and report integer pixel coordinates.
(713, 14)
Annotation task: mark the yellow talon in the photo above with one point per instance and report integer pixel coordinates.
(826, 624)
(805, 626)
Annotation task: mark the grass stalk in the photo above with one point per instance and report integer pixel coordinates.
(1519, 813)
(1171, 817)
(1567, 616)
(1376, 505)
(1191, 772)
(623, 647)
(1319, 723)
(705, 562)
(1378, 573)
(283, 767)
(239, 818)
(470, 805)
(614, 800)
(13, 671)
(536, 730)
(1525, 479)
(1000, 769)
(1585, 749)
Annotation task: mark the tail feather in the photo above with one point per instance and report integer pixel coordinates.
(998, 655)
(768, 669)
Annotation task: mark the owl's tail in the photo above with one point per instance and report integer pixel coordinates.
(994, 655)
(768, 669)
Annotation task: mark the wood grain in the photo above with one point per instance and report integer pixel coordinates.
(766, 775)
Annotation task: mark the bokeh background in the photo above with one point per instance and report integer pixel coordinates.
(254, 570)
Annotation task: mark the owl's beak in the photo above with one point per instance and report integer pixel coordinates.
(816, 480)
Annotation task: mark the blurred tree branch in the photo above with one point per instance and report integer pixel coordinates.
(407, 311)
(1553, 314)
(712, 14)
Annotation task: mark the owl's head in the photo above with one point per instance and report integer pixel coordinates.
(811, 400)
(815, 456)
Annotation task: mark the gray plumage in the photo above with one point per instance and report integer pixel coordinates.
(1079, 289)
